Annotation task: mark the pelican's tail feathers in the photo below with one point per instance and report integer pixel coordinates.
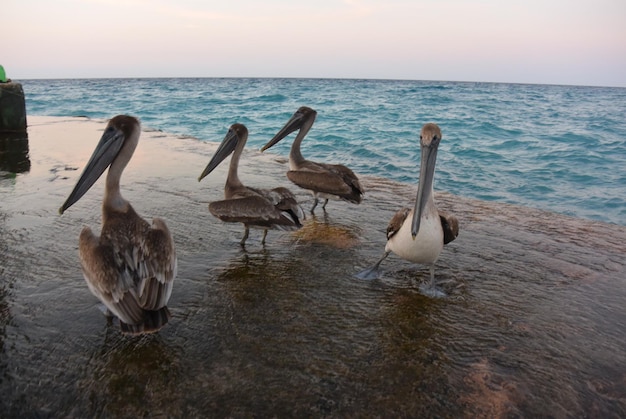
(153, 321)
(296, 216)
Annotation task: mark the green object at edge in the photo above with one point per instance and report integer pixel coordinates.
(3, 76)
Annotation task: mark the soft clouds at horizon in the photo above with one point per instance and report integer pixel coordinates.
(580, 42)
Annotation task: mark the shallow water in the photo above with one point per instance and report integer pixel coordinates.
(533, 324)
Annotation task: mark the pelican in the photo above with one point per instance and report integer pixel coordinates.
(325, 181)
(418, 234)
(260, 208)
(132, 265)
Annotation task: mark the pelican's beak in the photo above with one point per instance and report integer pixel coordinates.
(425, 188)
(294, 124)
(107, 149)
(224, 150)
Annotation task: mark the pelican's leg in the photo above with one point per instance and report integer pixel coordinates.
(432, 276)
(372, 273)
(314, 205)
(431, 289)
(245, 237)
(264, 235)
(324, 206)
(104, 309)
(107, 313)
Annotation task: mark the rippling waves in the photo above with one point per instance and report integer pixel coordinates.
(559, 148)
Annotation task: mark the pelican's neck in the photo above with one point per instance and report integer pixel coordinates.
(295, 156)
(112, 196)
(233, 178)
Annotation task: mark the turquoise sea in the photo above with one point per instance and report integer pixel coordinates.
(557, 148)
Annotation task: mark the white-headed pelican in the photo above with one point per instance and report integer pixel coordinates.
(418, 234)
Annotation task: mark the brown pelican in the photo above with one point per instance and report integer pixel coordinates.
(260, 208)
(132, 265)
(323, 180)
(418, 234)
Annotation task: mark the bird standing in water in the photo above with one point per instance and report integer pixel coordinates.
(261, 208)
(131, 266)
(327, 181)
(419, 234)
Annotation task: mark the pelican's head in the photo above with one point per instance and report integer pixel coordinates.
(430, 137)
(117, 144)
(237, 134)
(303, 117)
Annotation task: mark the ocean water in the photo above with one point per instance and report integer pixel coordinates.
(557, 148)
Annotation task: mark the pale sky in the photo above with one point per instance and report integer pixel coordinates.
(577, 42)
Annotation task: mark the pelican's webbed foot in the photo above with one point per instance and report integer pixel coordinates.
(372, 272)
(430, 289)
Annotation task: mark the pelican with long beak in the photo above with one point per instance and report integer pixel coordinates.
(132, 265)
(260, 208)
(327, 181)
(418, 234)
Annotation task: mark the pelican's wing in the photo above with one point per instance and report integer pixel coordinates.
(324, 182)
(396, 222)
(251, 210)
(147, 253)
(284, 200)
(109, 278)
(347, 176)
(132, 267)
(450, 226)
(156, 266)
